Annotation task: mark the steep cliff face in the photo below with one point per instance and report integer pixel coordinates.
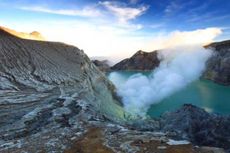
(48, 89)
(218, 66)
(139, 61)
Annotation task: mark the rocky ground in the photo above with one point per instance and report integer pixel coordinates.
(87, 131)
(199, 127)
(53, 99)
(44, 87)
(156, 142)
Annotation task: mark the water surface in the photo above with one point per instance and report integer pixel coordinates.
(203, 93)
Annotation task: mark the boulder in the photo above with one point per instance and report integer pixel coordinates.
(198, 126)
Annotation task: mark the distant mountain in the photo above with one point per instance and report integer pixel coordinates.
(102, 65)
(218, 66)
(139, 61)
(33, 35)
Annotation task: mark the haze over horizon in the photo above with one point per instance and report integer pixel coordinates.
(120, 28)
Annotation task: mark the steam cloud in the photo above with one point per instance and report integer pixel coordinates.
(178, 67)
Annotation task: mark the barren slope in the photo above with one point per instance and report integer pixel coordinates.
(44, 88)
(140, 61)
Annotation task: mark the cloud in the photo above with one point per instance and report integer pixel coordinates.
(182, 38)
(107, 38)
(96, 39)
(85, 12)
(119, 10)
(103, 12)
(134, 1)
(124, 13)
(176, 6)
(172, 7)
(139, 92)
(207, 17)
(157, 25)
(122, 42)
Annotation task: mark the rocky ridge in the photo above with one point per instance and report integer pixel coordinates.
(53, 99)
(187, 130)
(198, 126)
(218, 66)
(32, 36)
(139, 61)
(102, 65)
(48, 91)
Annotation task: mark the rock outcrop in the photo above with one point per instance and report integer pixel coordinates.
(53, 99)
(187, 130)
(198, 126)
(102, 65)
(32, 36)
(50, 92)
(139, 61)
(218, 66)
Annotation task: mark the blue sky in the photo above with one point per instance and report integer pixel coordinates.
(133, 22)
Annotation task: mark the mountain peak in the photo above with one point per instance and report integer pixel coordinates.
(33, 35)
(139, 52)
(141, 60)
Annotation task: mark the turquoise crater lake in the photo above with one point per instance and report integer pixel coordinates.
(203, 93)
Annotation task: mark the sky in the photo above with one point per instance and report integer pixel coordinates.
(119, 28)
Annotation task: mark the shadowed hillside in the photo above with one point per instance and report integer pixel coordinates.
(218, 66)
(44, 87)
(139, 61)
(53, 99)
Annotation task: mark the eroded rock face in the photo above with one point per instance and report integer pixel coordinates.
(112, 138)
(50, 92)
(198, 126)
(218, 66)
(102, 65)
(53, 99)
(188, 129)
(139, 61)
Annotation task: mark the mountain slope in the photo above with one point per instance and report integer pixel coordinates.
(49, 88)
(102, 65)
(52, 97)
(139, 61)
(218, 66)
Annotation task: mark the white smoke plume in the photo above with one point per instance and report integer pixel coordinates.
(179, 66)
(182, 62)
(182, 38)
